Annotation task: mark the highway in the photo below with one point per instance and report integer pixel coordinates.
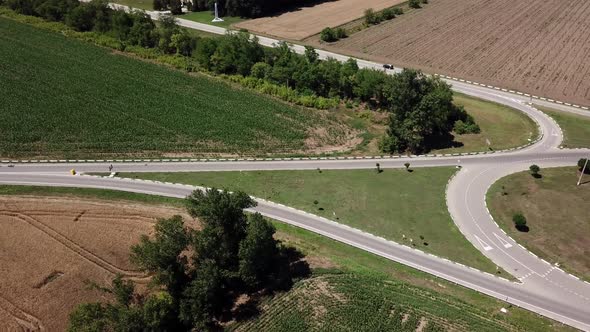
(543, 287)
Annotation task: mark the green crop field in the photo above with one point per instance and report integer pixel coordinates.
(576, 128)
(392, 204)
(63, 98)
(353, 289)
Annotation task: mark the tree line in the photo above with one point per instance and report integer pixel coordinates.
(421, 112)
(197, 276)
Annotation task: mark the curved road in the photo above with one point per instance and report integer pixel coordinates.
(543, 288)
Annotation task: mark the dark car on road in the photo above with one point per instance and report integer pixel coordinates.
(387, 66)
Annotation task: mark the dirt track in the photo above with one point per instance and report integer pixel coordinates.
(539, 47)
(50, 246)
(308, 21)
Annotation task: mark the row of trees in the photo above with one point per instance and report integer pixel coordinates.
(196, 275)
(131, 28)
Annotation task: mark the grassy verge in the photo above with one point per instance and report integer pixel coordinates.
(206, 17)
(392, 204)
(354, 289)
(90, 102)
(556, 211)
(576, 128)
(503, 127)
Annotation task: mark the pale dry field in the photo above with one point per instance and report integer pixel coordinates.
(308, 21)
(49, 248)
(537, 46)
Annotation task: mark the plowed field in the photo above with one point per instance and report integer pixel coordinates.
(49, 247)
(307, 21)
(539, 47)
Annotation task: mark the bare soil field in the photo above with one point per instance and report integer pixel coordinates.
(307, 21)
(539, 47)
(50, 247)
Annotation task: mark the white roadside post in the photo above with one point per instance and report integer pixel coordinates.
(217, 18)
(583, 170)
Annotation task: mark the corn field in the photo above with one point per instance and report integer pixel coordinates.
(64, 98)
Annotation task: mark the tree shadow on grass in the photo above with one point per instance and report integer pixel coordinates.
(537, 176)
(523, 229)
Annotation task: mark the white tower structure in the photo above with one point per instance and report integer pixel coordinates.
(217, 18)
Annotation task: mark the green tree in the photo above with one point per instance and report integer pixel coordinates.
(258, 251)
(89, 317)
(328, 35)
(535, 170)
(175, 7)
(205, 298)
(311, 55)
(370, 17)
(161, 255)
(519, 221)
(260, 70)
(142, 31)
(224, 225)
(414, 3)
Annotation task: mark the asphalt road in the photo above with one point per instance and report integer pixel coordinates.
(543, 288)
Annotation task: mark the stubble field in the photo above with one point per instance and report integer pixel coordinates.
(303, 22)
(51, 247)
(539, 47)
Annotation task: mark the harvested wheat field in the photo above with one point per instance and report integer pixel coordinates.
(539, 47)
(307, 21)
(49, 247)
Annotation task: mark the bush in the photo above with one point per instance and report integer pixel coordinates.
(260, 70)
(387, 14)
(328, 35)
(398, 11)
(466, 127)
(535, 170)
(581, 164)
(341, 33)
(520, 222)
(414, 3)
(371, 18)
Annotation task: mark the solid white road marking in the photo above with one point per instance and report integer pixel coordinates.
(504, 242)
(484, 245)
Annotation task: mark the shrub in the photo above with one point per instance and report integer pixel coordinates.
(370, 17)
(535, 170)
(387, 14)
(328, 35)
(341, 33)
(260, 70)
(581, 164)
(519, 222)
(398, 11)
(414, 3)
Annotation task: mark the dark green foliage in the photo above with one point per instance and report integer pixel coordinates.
(161, 255)
(581, 163)
(387, 14)
(236, 54)
(519, 222)
(535, 170)
(398, 11)
(466, 127)
(175, 7)
(370, 17)
(257, 252)
(233, 254)
(422, 112)
(341, 33)
(328, 35)
(414, 3)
